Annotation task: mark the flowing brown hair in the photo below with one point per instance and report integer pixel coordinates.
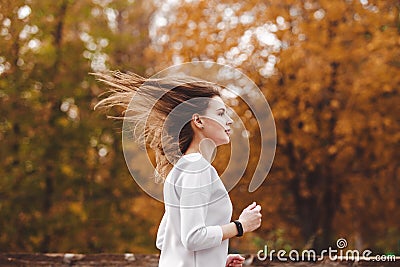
(159, 110)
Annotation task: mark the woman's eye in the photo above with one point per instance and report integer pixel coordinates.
(221, 114)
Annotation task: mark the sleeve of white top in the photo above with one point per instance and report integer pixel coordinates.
(196, 189)
(160, 233)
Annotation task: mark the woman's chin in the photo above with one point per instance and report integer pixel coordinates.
(222, 140)
(225, 141)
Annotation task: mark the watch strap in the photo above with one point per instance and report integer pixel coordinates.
(239, 228)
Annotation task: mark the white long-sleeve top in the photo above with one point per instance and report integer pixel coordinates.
(196, 205)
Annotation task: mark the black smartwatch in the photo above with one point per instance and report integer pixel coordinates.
(239, 227)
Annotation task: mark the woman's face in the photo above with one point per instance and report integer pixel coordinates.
(216, 122)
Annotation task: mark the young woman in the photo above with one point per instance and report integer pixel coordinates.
(184, 119)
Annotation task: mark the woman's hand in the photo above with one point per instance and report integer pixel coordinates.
(234, 260)
(251, 217)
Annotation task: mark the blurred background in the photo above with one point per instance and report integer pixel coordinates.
(330, 71)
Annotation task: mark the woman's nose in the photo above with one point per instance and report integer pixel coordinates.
(230, 121)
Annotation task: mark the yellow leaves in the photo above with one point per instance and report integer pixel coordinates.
(332, 150)
(304, 190)
(315, 87)
(67, 170)
(334, 9)
(345, 153)
(146, 207)
(388, 88)
(313, 159)
(335, 104)
(91, 157)
(77, 209)
(63, 122)
(36, 239)
(117, 193)
(348, 124)
(308, 123)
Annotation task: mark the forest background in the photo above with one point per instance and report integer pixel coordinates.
(330, 71)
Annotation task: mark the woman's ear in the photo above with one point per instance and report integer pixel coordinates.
(197, 121)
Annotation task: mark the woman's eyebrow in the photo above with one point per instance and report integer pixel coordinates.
(221, 108)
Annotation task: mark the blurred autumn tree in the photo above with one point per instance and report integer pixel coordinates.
(331, 73)
(329, 69)
(64, 183)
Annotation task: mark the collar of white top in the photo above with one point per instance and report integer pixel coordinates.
(193, 156)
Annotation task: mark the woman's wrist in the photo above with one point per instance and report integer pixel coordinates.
(229, 230)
